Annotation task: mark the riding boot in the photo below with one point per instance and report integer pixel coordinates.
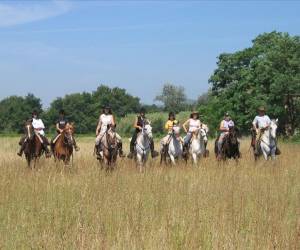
(120, 148)
(20, 153)
(132, 143)
(153, 152)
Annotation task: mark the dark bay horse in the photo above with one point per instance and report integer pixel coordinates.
(108, 149)
(33, 147)
(63, 146)
(230, 146)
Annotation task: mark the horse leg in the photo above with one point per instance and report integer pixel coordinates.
(194, 156)
(172, 159)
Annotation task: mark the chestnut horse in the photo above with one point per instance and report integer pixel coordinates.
(33, 146)
(63, 146)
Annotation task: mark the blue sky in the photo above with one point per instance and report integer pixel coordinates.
(52, 48)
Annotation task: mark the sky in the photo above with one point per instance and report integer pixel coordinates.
(53, 48)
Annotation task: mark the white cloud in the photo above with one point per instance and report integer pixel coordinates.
(17, 13)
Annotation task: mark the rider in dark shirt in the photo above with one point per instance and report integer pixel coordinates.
(139, 123)
(60, 126)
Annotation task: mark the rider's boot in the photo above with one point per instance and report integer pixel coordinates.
(120, 148)
(131, 153)
(153, 152)
(20, 153)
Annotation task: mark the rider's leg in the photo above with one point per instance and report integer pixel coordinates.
(22, 144)
(132, 143)
(98, 144)
(220, 143)
(153, 152)
(186, 142)
(120, 145)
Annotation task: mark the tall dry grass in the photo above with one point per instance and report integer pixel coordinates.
(227, 206)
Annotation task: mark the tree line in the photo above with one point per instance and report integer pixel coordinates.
(267, 73)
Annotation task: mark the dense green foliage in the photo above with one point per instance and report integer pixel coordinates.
(259, 75)
(15, 110)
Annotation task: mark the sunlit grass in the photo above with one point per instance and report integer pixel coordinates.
(211, 206)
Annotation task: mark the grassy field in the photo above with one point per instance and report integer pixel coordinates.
(211, 206)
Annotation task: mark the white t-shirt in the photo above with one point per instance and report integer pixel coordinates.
(261, 121)
(38, 123)
(105, 120)
(227, 124)
(194, 125)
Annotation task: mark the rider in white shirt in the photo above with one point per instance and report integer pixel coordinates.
(107, 121)
(194, 124)
(38, 127)
(260, 123)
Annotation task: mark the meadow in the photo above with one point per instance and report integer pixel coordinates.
(210, 206)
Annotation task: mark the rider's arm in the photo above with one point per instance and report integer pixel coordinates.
(167, 126)
(57, 127)
(222, 128)
(113, 124)
(98, 127)
(135, 125)
(185, 124)
(254, 124)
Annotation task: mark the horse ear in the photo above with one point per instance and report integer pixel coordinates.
(276, 120)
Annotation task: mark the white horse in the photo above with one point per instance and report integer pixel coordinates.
(268, 140)
(174, 146)
(142, 145)
(198, 144)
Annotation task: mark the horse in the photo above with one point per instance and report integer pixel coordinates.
(63, 145)
(268, 142)
(109, 148)
(33, 147)
(142, 146)
(173, 148)
(198, 144)
(230, 146)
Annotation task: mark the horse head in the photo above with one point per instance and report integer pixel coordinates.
(68, 134)
(176, 131)
(273, 128)
(111, 137)
(29, 131)
(232, 135)
(147, 131)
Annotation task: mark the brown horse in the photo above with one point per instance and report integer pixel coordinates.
(109, 149)
(33, 148)
(63, 146)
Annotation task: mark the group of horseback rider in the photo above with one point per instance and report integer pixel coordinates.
(106, 121)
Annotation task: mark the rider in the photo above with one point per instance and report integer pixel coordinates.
(194, 124)
(225, 125)
(169, 126)
(260, 123)
(106, 121)
(38, 127)
(61, 123)
(139, 123)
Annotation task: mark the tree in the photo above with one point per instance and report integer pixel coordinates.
(15, 110)
(173, 98)
(260, 75)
